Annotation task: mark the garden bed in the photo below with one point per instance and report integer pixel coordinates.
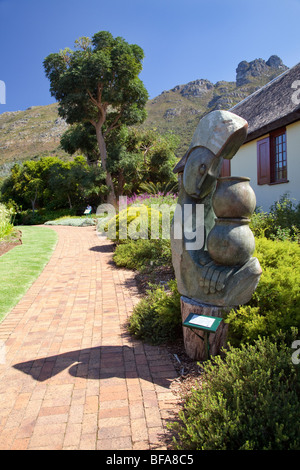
(10, 242)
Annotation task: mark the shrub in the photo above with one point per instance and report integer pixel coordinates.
(72, 221)
(138, 222)
(262, 224)
(250, 401)
(6, 227)
(156, 319)
(282, 222)
(149, 199)
(276, 302)
(286, 213)
(41, 216)
(138, 254)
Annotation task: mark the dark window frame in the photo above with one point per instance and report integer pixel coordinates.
(278, 156)
(272, 158)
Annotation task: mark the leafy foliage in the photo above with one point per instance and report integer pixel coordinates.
(53, 183)
(156, 318)
(250, 401)
(282, 222)
(98, 84)
(165, 189)
(72, 221)
(134, 222)
(154, 200)
(137, 158)
(276, 302)
(140, 254)
(6, 226)
(81, 137)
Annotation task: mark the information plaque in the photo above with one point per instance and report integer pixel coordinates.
(202, 322)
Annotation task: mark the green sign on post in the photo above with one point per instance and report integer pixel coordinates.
(205, 323)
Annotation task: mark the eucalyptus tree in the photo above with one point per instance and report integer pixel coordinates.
(98, 83)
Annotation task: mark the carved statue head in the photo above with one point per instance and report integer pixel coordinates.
(219, 135)
(200, 172)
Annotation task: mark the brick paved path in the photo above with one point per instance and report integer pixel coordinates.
(73, 378)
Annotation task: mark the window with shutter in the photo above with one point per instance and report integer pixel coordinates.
(272, 158)
(278, 156)
(263, 161)
(226, 168)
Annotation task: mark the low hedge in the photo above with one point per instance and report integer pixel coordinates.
(156, 319)
(275, 305)
(249, 401)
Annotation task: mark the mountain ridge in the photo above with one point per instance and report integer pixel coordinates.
(36, 131)
(180, 108)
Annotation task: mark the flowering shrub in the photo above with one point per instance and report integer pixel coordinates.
(136, 221)
(6, 227)
(149, 199)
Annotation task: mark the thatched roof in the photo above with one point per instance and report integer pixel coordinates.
(272, 106)
(268, 108)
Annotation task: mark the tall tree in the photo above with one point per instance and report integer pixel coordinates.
(98, 83)
(82, 138)
(139, 156)
(135, 156)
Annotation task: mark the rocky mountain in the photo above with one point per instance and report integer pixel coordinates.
(180, 108)
(246, 71)
(36, 131)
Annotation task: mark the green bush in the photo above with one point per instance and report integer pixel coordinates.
(276, 302)
(139, 254)
(286, 212)
(40, 216)
(6, 227)
(250, 401)
(262, 224)
(135, 222)
(156, 319)
(282, 222)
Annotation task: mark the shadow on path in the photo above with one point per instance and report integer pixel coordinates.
(103, 248)
(100, 363)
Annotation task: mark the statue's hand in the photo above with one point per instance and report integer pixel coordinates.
(214, 277)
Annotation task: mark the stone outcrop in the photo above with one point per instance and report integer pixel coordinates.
(257, 68)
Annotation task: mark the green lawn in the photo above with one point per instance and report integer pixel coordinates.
(21, 266)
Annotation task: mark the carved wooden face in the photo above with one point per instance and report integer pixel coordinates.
(200, 172)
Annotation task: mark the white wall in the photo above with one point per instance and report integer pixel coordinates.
(244, 163)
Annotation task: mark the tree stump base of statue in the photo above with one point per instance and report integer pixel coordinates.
(200, 345)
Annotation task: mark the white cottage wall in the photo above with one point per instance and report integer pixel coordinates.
(244, 163)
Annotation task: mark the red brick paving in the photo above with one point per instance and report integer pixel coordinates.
(73, 377)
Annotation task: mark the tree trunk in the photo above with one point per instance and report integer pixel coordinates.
(33, 201)
(121, 183)
(111, 198)
(70, 202)
(208, 344)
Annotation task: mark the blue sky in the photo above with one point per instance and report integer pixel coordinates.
(182, 40)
